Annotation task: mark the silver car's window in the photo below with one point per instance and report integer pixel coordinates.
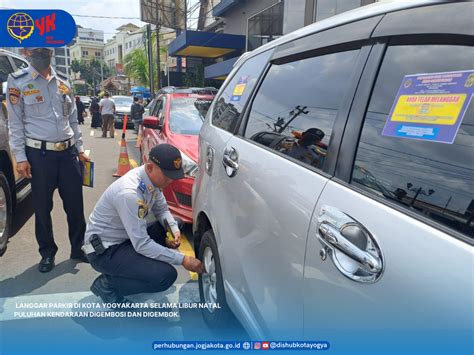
(20, 64)
(5, 68)
(426, 177)
(230, 103)
(296, 106)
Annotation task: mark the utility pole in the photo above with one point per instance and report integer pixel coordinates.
(202, 14)
(150, 61)
(158, 64)
(299, 111)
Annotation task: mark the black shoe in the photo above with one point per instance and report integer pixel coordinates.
(80, 256)
(46, 264)
(101, 288)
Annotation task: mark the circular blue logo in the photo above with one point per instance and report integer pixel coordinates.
(20, 26)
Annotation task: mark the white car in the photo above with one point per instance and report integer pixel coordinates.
(123, 106)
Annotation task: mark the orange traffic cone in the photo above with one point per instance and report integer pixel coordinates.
(139, 137)
(123, 162)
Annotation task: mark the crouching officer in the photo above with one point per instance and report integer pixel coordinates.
(132, 257)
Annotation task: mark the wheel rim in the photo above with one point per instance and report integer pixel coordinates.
(3, 213)
(209, 279)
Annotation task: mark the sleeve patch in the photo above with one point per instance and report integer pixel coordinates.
(14, 95)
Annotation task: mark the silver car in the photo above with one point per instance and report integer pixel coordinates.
(335, 197)
(13, 188)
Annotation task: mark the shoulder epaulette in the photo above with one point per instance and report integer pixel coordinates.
(142, 186)
(62, 76)
(19, 73)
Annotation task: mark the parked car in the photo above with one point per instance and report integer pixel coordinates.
(123, 106)
(365, 244)
(176, 116)
(13, 189)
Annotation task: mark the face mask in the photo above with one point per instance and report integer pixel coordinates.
(40, 60)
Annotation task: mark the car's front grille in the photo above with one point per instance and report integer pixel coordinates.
(183, 199)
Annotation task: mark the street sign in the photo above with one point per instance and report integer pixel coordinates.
(164, 13)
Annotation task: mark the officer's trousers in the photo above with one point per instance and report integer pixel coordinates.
(61, 170)
(129, 272)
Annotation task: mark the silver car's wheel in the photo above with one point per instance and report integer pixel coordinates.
(5, 212)
(209, 280)
(211, 284)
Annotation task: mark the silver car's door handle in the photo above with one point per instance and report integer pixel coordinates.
(352, 248)
(230, 161)
(333, 237)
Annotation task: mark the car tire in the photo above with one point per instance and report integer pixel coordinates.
(5, 212)
(215, 318)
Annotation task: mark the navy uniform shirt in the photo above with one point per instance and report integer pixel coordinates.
(40, 108)
(122, 213)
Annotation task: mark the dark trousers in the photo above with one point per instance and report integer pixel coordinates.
(61, 170)
(129, 272)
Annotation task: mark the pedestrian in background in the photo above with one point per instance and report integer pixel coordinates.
(107, 110)
(81, 110)
(96, 120)
(47, 143)
(136, 112)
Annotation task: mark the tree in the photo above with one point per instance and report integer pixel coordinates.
(90, 71)
(136, 66)
(136, 62)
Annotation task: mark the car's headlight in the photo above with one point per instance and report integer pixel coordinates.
(189, 166)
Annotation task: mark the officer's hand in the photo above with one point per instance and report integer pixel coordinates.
(193, 264)
(177, 238)
(84, 157)
(24, 169)
(172, 244)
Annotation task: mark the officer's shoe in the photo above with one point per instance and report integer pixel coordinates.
(101, 288)
(46, 264)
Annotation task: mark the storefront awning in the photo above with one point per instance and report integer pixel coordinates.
(220, 70)
(206, 44)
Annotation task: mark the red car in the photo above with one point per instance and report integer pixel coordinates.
(175, 116)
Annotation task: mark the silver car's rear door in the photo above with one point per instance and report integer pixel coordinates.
(389, 260)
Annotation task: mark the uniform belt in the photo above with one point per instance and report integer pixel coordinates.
(88, 248)
(55, 146)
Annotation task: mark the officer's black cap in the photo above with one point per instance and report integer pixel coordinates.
(168, 158)
(315, 133)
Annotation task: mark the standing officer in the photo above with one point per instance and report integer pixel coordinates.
(131, 257)
(47, 143)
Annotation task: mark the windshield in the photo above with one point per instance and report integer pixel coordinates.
(123, 101)
(187, 115)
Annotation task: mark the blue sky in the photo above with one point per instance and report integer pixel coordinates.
(110, 8)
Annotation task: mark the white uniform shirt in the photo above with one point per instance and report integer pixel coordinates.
(120, 214)
(40, 108)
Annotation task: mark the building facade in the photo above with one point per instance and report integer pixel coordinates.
(254, 23)
(87, 45)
